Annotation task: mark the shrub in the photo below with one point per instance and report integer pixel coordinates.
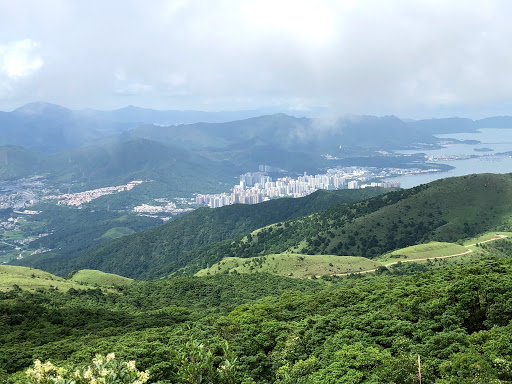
(104, 370)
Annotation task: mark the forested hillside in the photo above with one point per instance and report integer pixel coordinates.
(445, 210)
(143, 254)
(359, 329)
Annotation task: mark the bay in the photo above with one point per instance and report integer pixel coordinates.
(500, 140)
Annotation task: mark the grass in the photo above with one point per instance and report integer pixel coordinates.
(114, 233)
(295, 265)
(485, 237)
(13, 235)
(421, 251)
(98, 278)
(32, 279)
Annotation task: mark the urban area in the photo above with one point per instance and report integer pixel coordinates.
(256, 187)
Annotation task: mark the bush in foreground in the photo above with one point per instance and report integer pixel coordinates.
(104, 370)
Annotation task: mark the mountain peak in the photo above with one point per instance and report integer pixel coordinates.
(38, 108)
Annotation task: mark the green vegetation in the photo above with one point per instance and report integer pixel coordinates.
(104, 369)
(292, 265)
(115, 232)
(165, 249)
(16, 278)
(98, 278)
(16, 162)
(367, 328)
(70, 231)
(446, 210)
(423, 251)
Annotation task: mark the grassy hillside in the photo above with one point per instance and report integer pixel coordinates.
(116, 232)
(164, 249)
(292, 265)
(14, 277)
(98, 278)
(446, 210)
(422, 251)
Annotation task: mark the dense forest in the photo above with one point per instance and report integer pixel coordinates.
(356, 329)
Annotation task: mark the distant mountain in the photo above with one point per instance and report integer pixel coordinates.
(495, 122)
(118, 161)
(144, 254)
(460, 125)
(133, 114)
(448, 125)
(292, 134)
(50, 128)
(16, 162)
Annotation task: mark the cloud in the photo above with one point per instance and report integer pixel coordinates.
(134, 89)
(18, 59)
(399, 57)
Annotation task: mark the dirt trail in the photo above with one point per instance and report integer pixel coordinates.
(497, 237)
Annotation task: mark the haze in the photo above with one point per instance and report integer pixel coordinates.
(413, 59)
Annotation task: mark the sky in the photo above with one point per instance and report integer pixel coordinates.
(415, 59)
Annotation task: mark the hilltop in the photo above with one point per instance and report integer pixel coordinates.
(31, 279)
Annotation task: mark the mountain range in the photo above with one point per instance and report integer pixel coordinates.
(99, 148)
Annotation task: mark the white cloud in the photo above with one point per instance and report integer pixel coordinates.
(357, 56)
(18, 59)
(133, 89)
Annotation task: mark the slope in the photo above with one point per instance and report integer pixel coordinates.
(117, 161)
(164, 249)
(50, 128)
(17, 162)
(29, 279)
(291, 133)
(446, 210)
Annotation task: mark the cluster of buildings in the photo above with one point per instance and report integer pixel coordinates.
(79, 198)
(168, 208)
(21, 193)
(256, 187)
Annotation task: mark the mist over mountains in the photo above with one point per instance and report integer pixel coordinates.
(200, 149)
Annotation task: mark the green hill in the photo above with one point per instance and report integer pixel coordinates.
(446, 210)
(16, 162)
(98, 278)
(292, 265)
(14, 277)
(117, 161)
(164, 249)
(423, 251)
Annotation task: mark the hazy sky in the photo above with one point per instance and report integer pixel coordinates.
(408, 58)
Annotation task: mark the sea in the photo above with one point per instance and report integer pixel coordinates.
(497, 139)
